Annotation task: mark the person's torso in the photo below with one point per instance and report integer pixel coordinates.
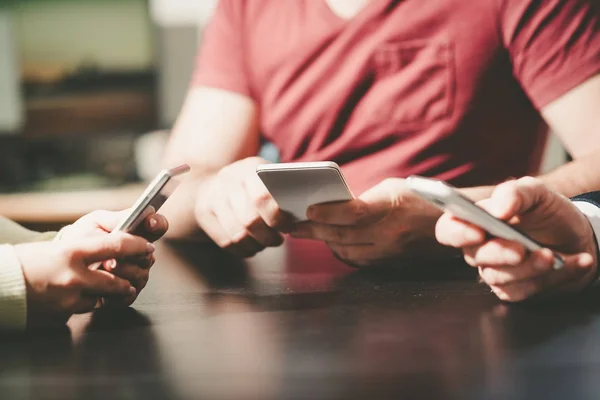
(405, 87)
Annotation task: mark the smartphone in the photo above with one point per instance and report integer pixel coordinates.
(297, 186)
(449, 199)
(155, 195)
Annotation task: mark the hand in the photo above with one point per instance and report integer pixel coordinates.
(99, 223)
(59, 282)
(135, 270)
(238, 213)
(385, 222)
(550, 218)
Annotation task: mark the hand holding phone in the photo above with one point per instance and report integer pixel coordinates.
(449, 199)
(297, 186)
(155, 195)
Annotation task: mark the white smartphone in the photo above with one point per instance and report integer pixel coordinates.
(155, 195)
(297, 186)
(448, 198)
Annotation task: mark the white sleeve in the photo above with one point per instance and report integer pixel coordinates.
(13, 295)
(592, 213)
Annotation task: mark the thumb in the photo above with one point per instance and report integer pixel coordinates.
(383, 197)
(115, 245)
(516, 197)
(578, 261)
(578, 271)
(106, 220)
(101, 283)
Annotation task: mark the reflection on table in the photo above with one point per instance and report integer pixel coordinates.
(296, 323)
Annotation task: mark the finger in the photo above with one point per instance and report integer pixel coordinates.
(343, 235)
(116, 245)
(145, 262)
(355, 255)
(215, 231)
(576, 274)
(496, 253)
(107, 265)
(265, 204)
(101, 283)
(107, 220)
(131, 272)
(371, 206)
(516, 292)
(153, 227)
(211, 226)
(249, 218)
(239, 241)
(339, 213)
(515, 197)
(454, 232)
(536, 264)
(226, 217)
(137, 277)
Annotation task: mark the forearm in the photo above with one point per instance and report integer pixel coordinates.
(576, 177)
(571, 179)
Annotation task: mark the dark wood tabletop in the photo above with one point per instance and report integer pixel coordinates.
(295, 323)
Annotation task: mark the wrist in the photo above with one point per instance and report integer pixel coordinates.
(591, 213)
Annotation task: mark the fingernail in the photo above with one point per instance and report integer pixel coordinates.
(541, 263)
(111, 264)
(310, 212)
(132, 290)
(153, 223)
(150, 248)
(472, 235)
(512, 257)
(586, 260)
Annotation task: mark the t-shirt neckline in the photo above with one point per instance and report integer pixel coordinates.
(372, 6)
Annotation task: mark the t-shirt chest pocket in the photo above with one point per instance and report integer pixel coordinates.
(414, 82)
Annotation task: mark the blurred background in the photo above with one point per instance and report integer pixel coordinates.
(88, 92)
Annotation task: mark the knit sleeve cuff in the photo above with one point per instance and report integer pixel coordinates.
(13, 295)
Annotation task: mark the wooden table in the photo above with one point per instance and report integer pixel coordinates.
(294, 323)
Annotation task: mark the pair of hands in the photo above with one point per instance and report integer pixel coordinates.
(550, 218)
(238, 213)
(63, 276)
(388, 221)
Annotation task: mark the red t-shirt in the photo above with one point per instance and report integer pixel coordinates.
(444, 88)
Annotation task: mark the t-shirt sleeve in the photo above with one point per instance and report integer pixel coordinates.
(221, 62)
(554, 44)
(13, 296)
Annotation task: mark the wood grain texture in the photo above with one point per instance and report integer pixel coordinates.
(294, 323)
